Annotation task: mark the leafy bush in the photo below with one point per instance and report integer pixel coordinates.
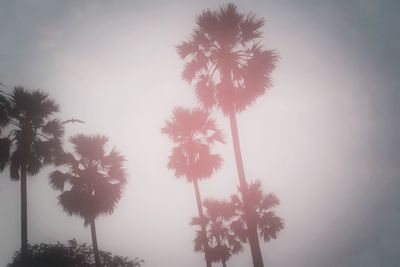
(71, 254)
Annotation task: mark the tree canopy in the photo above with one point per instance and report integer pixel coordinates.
(71, 254)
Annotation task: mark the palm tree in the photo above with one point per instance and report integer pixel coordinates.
(32, 141)
(193, 132)
(93, 183)
(261, 206)
(224, 242)
(230, 70)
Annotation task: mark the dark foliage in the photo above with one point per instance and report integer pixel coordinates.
(261, 210)
(193, 132)
(225, 61)
(226, 227)
(222, 240)
(34, 139)
(94, 181)
(71, 254)
(30, 139)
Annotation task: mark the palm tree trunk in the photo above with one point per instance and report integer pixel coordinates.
(24, 214)
(94, 242)
(201, 216)
(219, 245)
(251, 224)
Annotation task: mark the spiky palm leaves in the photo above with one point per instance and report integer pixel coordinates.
(223, 241)
(261, 206)
(225, 222)
(93, 183)
(37, 138)
(193, 133)
(32, 142)
(225, 60)
(230, 70)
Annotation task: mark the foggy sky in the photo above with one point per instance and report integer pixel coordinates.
(325, 138)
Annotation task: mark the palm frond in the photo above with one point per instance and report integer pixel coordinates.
(63, 158)
(199, 242)
(89, 146)
(191, 69)
(4, 109)
(186, 48)
(207, 22)
(250, 28)
(5, 145)
(235, 244)
(15, 165)
(199, 221)
(193, 132)
(269, 201)
(58, 179)
(219, 208)
(74, 203)
(33, 165)
(205, 92)
(36, 105)
(225, 61)
(229, 19)
(53, 127)
(240, 230)
(47, 105)
(96, 178)
(270, 225)
(45, 151)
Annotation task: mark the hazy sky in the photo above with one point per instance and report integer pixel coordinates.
(325, 139)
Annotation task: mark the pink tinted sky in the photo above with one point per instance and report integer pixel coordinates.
(312, 139)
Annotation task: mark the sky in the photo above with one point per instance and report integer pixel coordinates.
(325, 138)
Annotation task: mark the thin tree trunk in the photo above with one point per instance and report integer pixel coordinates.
(219, 245)
(24, 214)
(201, 216)
(94, 242)
(250, 221)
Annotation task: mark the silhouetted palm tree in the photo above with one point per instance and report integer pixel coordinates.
(230, 70)
(33, 140)
(261, 206)
(193, 132)
(217, 219)
(93, 183)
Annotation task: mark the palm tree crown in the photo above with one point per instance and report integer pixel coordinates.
(261, 210)
(223, 241)
(37, 138)
(93, 184)
(193, 132)
(225, 60)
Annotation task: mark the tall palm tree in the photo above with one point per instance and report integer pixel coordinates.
(93, 183)
(268, 223)
(193, 132)
(223, 241)
(230, 70)
(33, 140)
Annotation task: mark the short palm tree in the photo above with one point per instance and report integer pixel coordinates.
(261, 206)
(223, 241)
(33, 140)
(230, 69)
(193, 133)
(93, 182)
